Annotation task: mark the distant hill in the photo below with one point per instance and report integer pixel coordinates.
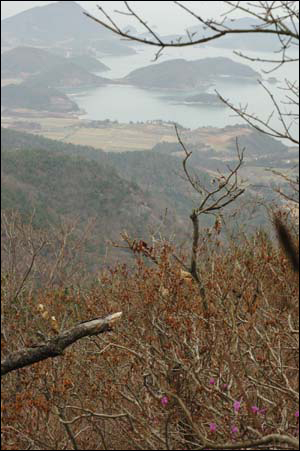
(160, 175)
(67, 75)
(44, 72)
(113, 48)
(88, 63)
(55, 22)
(255, 42)
(129, 190)
(25, 61)
(37, 98)
(183, 74)
(59, 185)
(12, 139)
(214, 148)
(61, 24)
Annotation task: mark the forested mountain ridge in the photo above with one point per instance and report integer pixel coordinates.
(128, 190)
(63, 181)
(158, 175)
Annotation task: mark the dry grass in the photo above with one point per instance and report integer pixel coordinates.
(121, 137)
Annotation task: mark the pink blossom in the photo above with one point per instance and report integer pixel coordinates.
(225, 386)
(297, 414)
(236, 406)
(211, 381)
(234, 429)
(212, 427)
(255, 409)
(164, 400)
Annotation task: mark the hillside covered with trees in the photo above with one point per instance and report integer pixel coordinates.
(25, 60)
(63, 182)
(183, 74)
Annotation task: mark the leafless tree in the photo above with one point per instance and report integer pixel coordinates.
(31, 255)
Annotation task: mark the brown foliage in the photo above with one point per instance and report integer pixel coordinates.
(170, 370)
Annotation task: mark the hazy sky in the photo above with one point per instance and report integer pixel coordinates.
(164, 14)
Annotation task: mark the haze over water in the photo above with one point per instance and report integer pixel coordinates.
(127, 103)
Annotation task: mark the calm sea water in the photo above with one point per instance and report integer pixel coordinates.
(127, 103)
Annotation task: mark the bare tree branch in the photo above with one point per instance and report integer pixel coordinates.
(264, 125)
(226, 192)
(219, 28)
(55, 346)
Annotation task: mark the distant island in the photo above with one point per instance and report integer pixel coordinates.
(272, 80)
(37, 98)
(112, 47)
(205, 99)
(43, 68)
(44, 76)
(67, 75)
(180, 74)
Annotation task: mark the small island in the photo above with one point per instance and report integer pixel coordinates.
(111, 47)
(180, 74)
(204, 99)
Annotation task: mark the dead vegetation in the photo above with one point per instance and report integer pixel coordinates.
(171, 374)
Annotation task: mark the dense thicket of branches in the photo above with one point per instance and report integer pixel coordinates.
(173, 374)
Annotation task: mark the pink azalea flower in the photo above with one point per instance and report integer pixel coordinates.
(164, 400)
(212, 427)
(236, 406)
(234, 429)
(255, 409)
